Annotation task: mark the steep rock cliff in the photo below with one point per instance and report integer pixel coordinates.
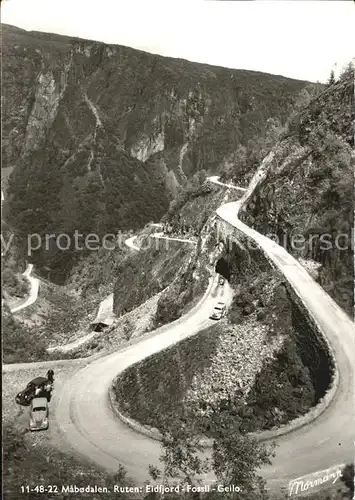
(100, 136)
(305, 200)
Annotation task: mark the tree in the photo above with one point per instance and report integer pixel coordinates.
(347, 75)
(180, 453)
(348, 478)
(302, 100)
(235, 456)
(274, 129)
(331, 79)
(235, 164)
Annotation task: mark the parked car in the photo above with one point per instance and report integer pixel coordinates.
(219, 311)
(25, 397)
(39, 414)
(221, 280)
(41, 385)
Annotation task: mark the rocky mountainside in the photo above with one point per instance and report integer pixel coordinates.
(306, 197)
(102, 135)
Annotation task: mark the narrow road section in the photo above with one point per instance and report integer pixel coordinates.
(215, 180)
(34, 282)
(131, 243)
(83, 412)
(328, 440)
(182, 240)
(86, 419)
(34, 288)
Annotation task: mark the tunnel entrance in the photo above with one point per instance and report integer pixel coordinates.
(223, 268)
(98, 327)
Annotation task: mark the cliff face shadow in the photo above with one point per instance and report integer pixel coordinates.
(223, 268)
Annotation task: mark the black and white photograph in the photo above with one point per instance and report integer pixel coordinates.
(177, 249)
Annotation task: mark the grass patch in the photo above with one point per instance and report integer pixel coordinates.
(148, 272)
(18, 343)
(154, 389)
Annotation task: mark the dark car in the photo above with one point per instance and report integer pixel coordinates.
(25, 397)
(221, 280)
(38, 381)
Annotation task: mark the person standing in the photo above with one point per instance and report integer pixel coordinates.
(50, 376)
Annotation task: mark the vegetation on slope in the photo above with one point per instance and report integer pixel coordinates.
(187, 288)
(95, 274)
(154, 390)
(49, 468)
(306, 199)
(145, 273)
(13, 283)
(56, 318)
(191, 203)
(101, 135)
(17, 340)
(65, 203)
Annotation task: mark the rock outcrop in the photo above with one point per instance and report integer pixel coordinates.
(305, 199)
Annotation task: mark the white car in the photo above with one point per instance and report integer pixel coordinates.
(39, 414)
(219, 311)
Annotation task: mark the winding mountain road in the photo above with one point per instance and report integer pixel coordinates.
(328, 440)
(34, 283)
(215, 180)
(85, 417)
(86, 420)
(83, 412)
(171, 238)
(105, 314)
(130, 242)
(33, 293)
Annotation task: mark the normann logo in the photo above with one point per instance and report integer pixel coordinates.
(314, 480)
